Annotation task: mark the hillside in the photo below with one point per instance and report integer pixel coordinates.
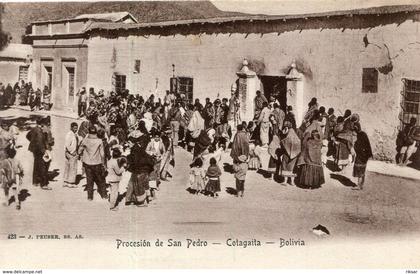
(17, 16)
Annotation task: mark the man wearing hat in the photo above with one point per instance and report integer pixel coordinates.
(38, 146)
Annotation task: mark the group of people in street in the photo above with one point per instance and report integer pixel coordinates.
(23, 94)
(126, 137)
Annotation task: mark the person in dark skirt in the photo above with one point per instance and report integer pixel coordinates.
(140, 164)
(213, 174)
(363, 152)
(311, 173)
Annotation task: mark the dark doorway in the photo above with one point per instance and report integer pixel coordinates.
(275, 86)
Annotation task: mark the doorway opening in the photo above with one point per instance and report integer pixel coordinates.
(275, 86)
(48, 80)
(69, 83)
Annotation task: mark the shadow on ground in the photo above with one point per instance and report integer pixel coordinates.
(343, 180)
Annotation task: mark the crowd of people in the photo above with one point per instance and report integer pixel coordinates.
(23, 94)
(126, 137)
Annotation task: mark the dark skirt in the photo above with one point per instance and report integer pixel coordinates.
(311, 176)
(359, 168)
(273, 165)
(343, 153)
(287, 165)
(154, 175)
(138, 187)
(213, 186)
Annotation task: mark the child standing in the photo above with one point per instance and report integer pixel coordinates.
(254, 155)
(197, 176)
(363, 152)
(116, 167)
(240, 169)
(156, 149)
(11, 174)
(213, 173)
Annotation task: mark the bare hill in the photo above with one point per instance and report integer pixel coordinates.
(17, 16)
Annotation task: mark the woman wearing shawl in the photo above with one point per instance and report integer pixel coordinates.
(132, 121)
(240, 145)
(311, 173)
(345, 137)
(148, 120)
(196, 124)
(363, 152)
(204, 140)
(312, 108)
(140, 164)
(314, 124)
(291, 146)
(274, 149)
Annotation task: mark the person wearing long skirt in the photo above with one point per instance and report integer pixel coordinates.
(140, 164)
(363, 152)
(275, 152)
(168, 159)
(291, 147)
(311, 173)
(254, 156)
(213, 174)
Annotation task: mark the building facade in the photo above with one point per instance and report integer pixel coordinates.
(60, 54)
(15, 64)
(363, 60)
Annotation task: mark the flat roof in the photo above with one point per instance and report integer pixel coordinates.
(250, 18)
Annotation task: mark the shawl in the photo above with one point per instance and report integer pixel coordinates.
(196, 124)
(310, 113)
(259, 100)
(313, 148)
(213, 171)
(291, 143)
(362, 147)
(201, 144)
(240, 145)
(280, 116)
(274, 146)
(311, 151)
(315, 125)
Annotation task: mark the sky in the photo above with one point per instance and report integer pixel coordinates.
(301, 6)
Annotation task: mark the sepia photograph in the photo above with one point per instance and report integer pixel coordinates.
(232, 134)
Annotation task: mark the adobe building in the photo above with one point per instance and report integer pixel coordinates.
(15, 64)
(60, 54)
(364, 60)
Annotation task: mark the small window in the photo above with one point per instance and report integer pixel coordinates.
(120, 83)
(137, 66)
(410, 101)
(184, 87)
(370, 80)
(23, 73)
